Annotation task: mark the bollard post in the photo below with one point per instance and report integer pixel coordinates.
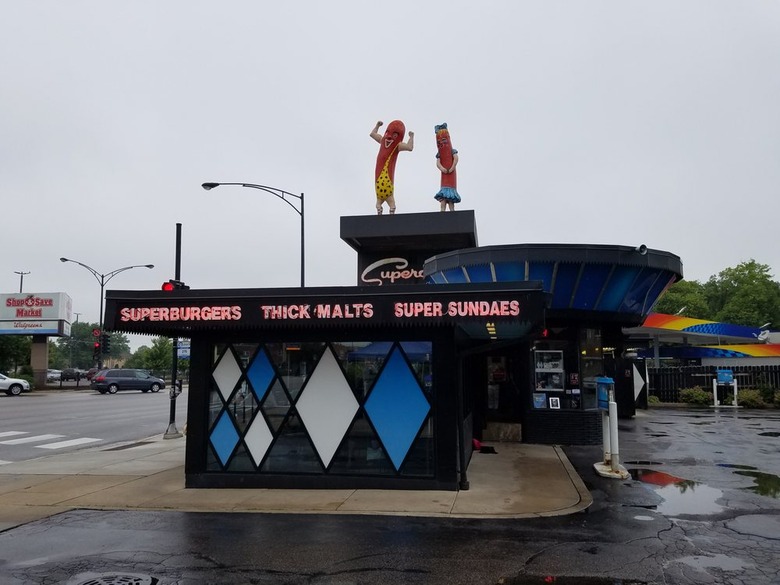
(614, 449)
(610, 466)
(605, 436)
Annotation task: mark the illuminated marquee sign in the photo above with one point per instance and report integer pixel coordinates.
(354, 307)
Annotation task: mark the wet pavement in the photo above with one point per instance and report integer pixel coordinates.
(701, 507)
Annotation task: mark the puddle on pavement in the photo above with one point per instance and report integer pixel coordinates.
(737, 466)
(767, 484)
(680, 496)
(553, 580)
(643, 462)
(657, 435)
(704, 422)
(770, 434)
(721, 562)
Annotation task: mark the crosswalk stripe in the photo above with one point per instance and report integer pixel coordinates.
(12, 433)
(5, 462)
(70, 443)
(33, 439)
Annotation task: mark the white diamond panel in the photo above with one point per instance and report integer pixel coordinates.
(226, 374)
(327, 407)
(258, 438)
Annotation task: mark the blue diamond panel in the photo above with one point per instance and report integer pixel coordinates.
(260, 374)
(397, 407)
(224, 437)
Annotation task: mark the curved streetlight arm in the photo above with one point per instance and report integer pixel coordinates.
(281, 194)
(104, 278)
(113, 273)
(94, 272)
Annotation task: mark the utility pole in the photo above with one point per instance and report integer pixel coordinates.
(172, 432)
(21, 274)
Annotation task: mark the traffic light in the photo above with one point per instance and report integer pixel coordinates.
(174, 285)
(96, 351)
(105, 343)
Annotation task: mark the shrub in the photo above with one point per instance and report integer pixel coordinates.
(750, 399)
(765, 388)
(695, 395)
(777, 398)
(653, 400)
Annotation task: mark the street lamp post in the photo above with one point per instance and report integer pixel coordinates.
(21, 274)
(283, 195)
(102, 280)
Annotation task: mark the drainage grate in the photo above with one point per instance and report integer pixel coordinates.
(130, 446)
(117, 579)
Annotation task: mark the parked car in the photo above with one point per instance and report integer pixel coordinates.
(53, 375)
(72, 374)
(90, 373)
(13, 386)
(112, 381)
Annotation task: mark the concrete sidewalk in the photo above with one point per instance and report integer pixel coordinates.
(519, 481)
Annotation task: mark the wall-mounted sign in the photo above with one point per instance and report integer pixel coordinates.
(191, 310)
(391, 270)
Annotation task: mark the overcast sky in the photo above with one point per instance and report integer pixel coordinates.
(576, 122)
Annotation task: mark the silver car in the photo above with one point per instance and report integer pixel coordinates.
(13, 386)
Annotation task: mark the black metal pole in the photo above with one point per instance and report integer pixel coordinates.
(100, 317)
(303, 254)
(172, 431)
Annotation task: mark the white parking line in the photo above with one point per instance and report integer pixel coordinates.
(5, 462)
(70, 443)
(33, 439)
(12, 433)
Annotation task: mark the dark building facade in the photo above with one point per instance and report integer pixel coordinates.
(385, 384)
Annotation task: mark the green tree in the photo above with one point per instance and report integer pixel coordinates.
(78, 349)
(14, 352)
(158, 357)
(744, 295)
(686, 297)
(139, 358)
(57, 359)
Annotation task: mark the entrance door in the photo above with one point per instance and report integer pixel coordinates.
(495, 383)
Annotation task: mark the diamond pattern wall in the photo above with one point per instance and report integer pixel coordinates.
(283, 431)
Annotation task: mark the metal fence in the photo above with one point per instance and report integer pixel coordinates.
(666, 383)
